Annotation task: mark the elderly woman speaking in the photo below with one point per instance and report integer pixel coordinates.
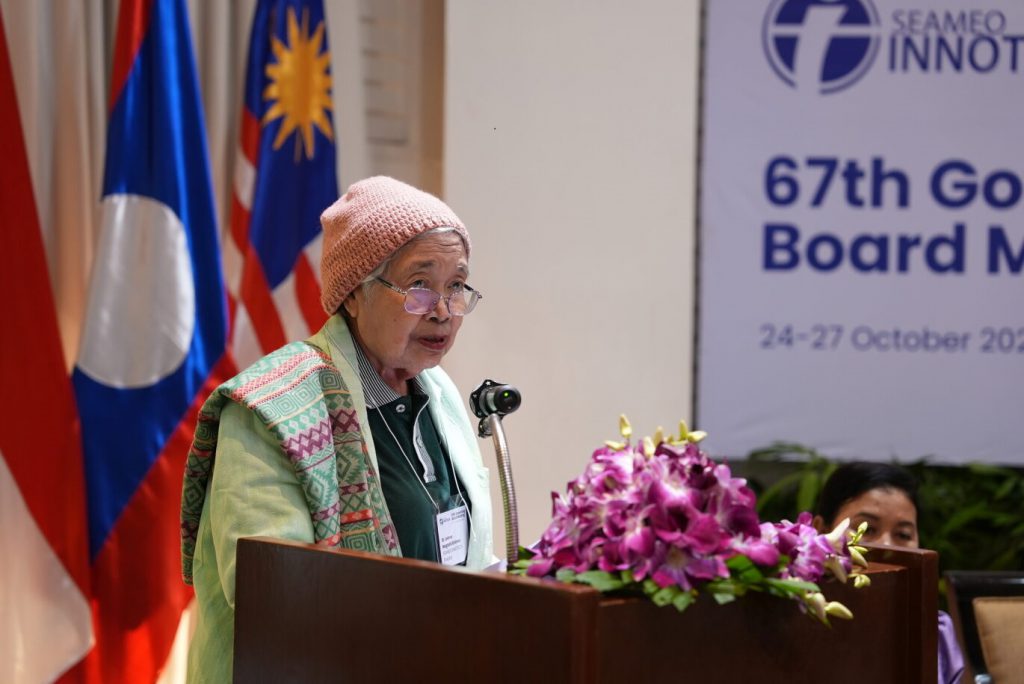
(352, 438)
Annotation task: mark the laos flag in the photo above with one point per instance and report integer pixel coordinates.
(154, 336)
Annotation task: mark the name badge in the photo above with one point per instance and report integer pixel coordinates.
(453, 535)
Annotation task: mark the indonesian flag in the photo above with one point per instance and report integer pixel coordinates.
(45, 626)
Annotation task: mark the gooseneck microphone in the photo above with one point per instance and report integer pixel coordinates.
(490, 401)
(492, 397)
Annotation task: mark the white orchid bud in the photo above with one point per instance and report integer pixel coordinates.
(816, 603)
(659, 435)
(835, 566)
(837, 609)
(837, 537)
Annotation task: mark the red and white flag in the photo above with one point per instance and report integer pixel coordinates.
(45, 623)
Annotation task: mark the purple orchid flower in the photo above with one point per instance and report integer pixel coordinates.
(673, 515)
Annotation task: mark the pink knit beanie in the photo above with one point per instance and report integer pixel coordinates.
(370, 222)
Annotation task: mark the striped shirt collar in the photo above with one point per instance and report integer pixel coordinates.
(376, 391)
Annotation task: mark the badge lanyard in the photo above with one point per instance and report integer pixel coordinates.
(452, 528)
(451, 525)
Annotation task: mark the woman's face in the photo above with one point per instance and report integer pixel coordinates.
(399, 344)
(889, 513)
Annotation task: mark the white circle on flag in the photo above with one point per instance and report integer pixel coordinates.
(141, 311)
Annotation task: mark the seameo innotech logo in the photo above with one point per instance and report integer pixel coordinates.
(821, 45)
(825, 46)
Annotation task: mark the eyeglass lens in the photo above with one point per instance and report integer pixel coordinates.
(420, 300)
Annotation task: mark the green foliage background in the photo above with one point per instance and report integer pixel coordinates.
(972, 515)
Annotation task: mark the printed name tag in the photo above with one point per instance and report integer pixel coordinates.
(453, 535)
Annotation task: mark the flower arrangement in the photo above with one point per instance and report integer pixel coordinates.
(662, 519)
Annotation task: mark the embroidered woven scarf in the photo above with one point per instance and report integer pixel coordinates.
(301, 398)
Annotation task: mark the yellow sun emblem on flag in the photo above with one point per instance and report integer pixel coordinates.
(300, 85)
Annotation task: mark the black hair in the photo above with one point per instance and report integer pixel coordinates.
(850, 480)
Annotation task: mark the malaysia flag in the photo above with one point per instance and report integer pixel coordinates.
(285, 176)
(153, 342)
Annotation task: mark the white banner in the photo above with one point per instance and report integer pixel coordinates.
(862, 233)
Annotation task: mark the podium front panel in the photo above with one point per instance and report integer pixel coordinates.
(305, 614)
(761, 638)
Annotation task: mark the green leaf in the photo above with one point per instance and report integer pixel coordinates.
(665, 596)
(722, 598)
(778, 450)
(726, 586)
(683, 600)
(600, 580)
(777, 490)
(964, 516)
(1005, 489)
(1003, 519)
(739, 562)
(791, 586)
(1004, 561)
(827, 472)
(751, 576)
(744, 570)
(565, 575)
(807, 495)
(986, 470)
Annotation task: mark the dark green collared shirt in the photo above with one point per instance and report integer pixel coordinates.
(415, 471)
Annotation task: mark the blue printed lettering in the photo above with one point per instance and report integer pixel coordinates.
(784, 250)
(825, 252)
(955, 259)
(879, 175)
(999, 247)
(954, 184)
(1013, 186)
(965, 190)
(906, 243)
(877, 246)
(779, 247)
(993, 54)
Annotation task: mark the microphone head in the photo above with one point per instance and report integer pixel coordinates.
(493, 397)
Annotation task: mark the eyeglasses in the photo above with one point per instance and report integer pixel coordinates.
(420, 300)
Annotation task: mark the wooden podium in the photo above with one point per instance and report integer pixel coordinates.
(307, 614)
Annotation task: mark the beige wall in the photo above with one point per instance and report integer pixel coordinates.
(570, 147)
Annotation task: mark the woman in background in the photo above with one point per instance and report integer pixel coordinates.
(885, 497)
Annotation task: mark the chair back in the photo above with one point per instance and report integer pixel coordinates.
(987, 608)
